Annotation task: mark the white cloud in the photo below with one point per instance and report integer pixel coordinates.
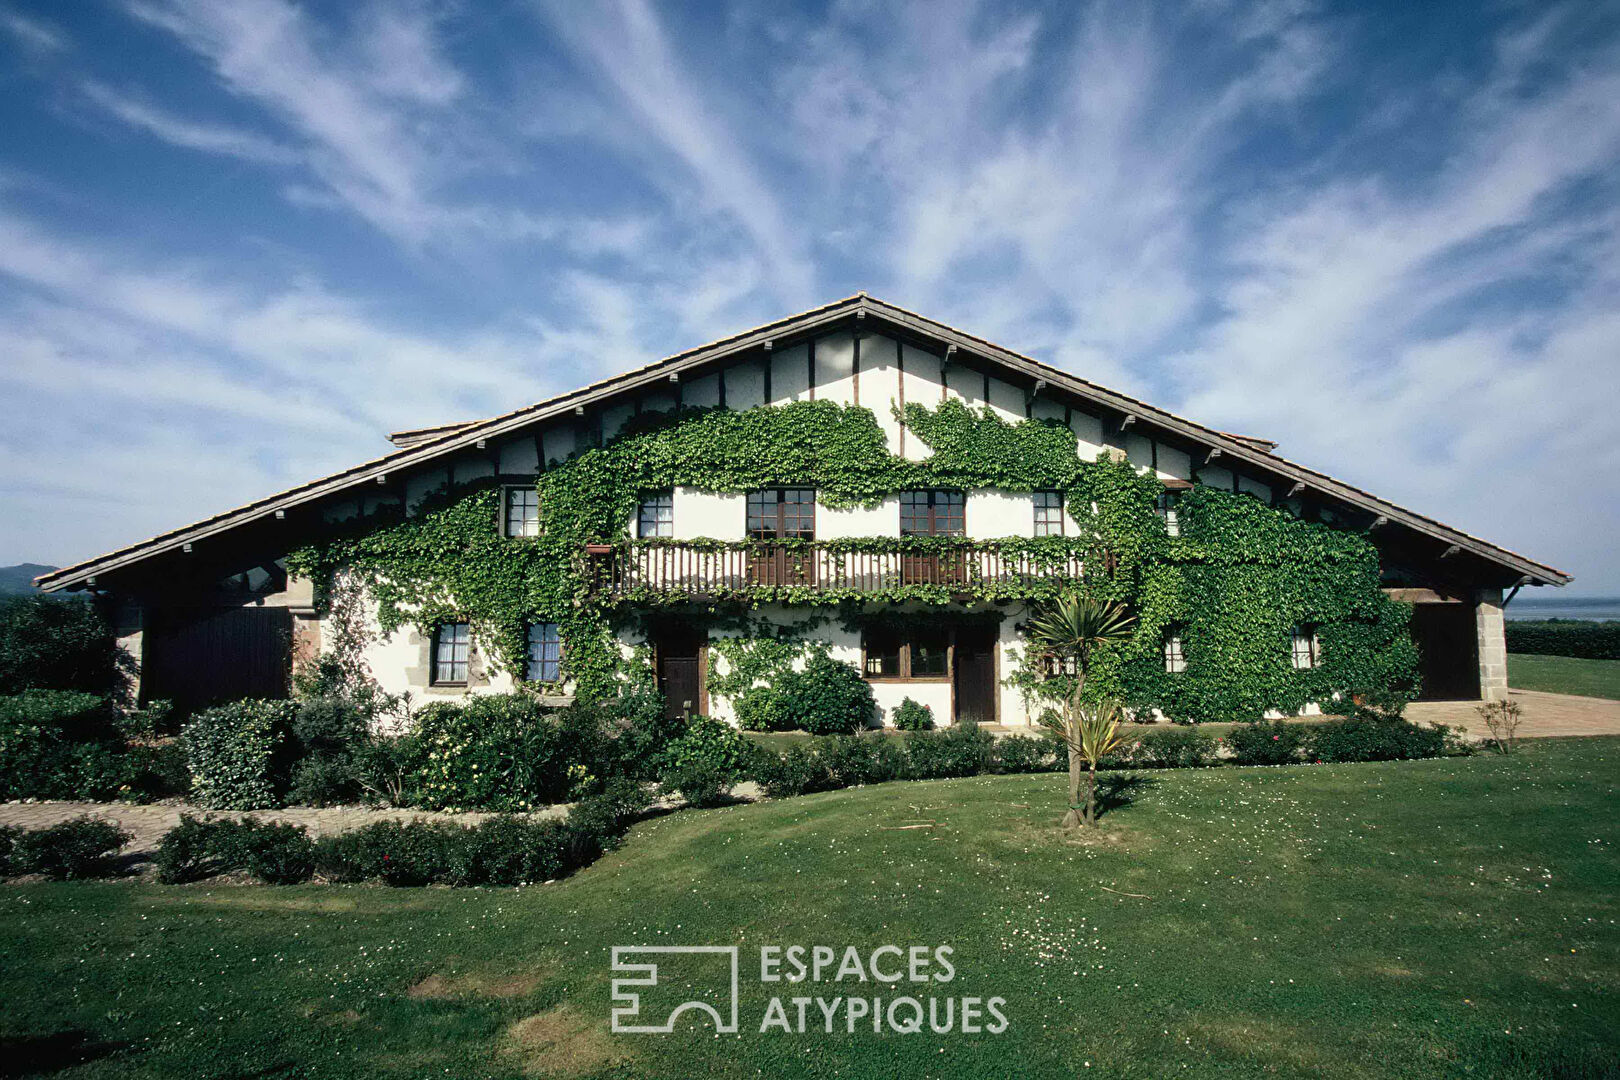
(191, 134)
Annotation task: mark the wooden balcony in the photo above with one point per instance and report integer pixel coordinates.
(828, 571)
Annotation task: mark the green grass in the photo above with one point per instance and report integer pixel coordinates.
(1564, 675)
(1443, 918)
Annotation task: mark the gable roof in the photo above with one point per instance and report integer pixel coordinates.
(424, 445)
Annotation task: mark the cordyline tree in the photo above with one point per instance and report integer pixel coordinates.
(1072, 628)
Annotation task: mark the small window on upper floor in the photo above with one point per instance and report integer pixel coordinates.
(544, 653)
(1048, 513)
(656, 516)
(452, 646)
(782, 514)
(1307, 648)
(520, 511)
(932, 513)
(1175, 658)
(1166, 509)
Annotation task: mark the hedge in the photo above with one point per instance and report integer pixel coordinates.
(1565, 637)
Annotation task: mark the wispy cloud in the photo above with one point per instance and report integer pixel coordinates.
(191, 134)
(33, 34)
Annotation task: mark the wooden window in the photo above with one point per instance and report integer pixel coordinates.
(1175, 659)
(1307, 648)
(452, 643)
(521, 511)
(656, 516)
(1166, 509)
(1048, 513)
(782, 514)
(1054, 666)
(883, 649)
(932, 513)
(930, 654)
(913, 654)
(545, 653)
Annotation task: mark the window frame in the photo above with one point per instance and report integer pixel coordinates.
(938, 507)
(1046, 502)
(1306, 632)
(1165, 507)
(530, 660)
(1174, 651)
(771, 505)
(437, 662)
(662, 507)
(904, 653)
(509, 490)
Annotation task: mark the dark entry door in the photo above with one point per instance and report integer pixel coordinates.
(680, 671)
(1446, 638)
(975, 675)
(201, 658)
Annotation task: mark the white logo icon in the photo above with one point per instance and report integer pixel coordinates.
(627, 1001)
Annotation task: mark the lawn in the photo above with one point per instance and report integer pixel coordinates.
(1564, 675)
(1441, 918)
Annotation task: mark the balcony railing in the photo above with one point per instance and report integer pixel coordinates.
(832, 570)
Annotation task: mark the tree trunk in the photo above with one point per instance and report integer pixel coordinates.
(1072, 818)
(1091, 797)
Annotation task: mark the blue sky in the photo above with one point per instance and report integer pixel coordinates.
(240, 241)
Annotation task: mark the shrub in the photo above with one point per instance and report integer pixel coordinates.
(798, 770)
(41, 732)
(1026, 754)
(197, 848)
(327, 732)
(50, 643)
(1367, 737)
(1565, 637)
(861, 759)
(1502, 719)
(515, 851)
(960, 750)
(398, 853)
(830, 697)
(504, 752)
(237, 754)
(610, 812)
(1271, 742)
(81, 848)
(766, 708)
(703, 764)
(278, 854)
(910, 715)
(1170, 748)
(156, 771)
(9, 835)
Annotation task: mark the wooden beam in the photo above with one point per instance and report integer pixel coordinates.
(1378, 523)
(1214, 453)
(1297, 489)
(1450, 551)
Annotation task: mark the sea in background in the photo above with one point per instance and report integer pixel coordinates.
(1527, 605)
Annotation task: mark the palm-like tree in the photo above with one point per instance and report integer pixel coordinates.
(1073, 628)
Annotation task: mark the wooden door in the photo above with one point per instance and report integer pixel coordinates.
(201, 658)
(680, 654)
(975, 675)
(1448, 642)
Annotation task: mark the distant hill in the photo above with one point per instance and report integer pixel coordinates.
(20, 578)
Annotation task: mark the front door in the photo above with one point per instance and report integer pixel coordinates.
(680, 671)
(975, 678)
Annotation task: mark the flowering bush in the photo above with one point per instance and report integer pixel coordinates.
(1272, 742)
(911, 715)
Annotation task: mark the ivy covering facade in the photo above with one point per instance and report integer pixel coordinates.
(1233, 586)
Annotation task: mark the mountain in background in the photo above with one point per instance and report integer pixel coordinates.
(20, 578)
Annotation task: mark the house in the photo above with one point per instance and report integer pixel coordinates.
(879, 537)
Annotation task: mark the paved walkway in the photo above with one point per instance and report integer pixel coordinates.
(151, 821)
(1544, 714)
